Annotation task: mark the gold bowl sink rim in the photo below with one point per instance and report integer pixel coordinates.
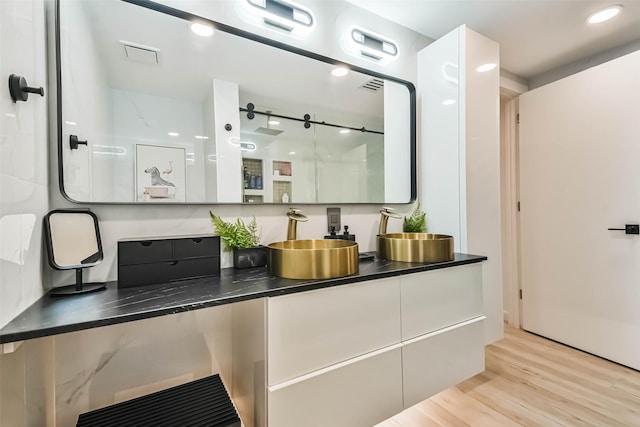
(313, 259)
(416, 236)
(312, 244)
(415, 247)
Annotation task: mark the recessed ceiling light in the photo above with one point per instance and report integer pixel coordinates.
(202, 29)
(173, 134)
(604, 14)
(340, 71)
(485, 67)
(292, 153)
(344, 130)
(274, 122)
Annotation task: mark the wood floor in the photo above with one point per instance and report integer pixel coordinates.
(531, 381)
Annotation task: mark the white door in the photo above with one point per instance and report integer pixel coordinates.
(580, 175)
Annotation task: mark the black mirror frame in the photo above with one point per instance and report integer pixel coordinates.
(247, 35)
(49, 244)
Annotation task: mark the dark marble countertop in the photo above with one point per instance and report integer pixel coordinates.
(58, 315)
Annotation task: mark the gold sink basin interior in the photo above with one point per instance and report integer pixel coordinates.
(313, 259)
(415, 247)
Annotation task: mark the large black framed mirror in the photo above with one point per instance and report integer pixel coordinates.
(149, 112)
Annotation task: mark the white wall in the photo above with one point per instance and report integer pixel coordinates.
(23, 158)
(145, 119)
(395, 167)
(86, 112)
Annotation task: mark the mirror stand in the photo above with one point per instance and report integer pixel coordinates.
(73, 243)
(78, 288)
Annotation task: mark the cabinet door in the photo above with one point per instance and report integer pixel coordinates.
(440, 298)
(311, 330)
(437, 361)
(359, 393)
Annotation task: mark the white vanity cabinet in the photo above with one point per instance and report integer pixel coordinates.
(312, 330)
(355, 354)
(442, 331)
(440, 298)
(359, 392)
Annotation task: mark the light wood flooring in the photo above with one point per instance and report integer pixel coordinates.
(531, 381)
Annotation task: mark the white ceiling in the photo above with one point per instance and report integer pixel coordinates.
(534, 36)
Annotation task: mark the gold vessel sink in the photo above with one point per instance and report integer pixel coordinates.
(313, 259)
(415, 247)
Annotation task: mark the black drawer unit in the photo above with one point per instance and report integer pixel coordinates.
(166, 259)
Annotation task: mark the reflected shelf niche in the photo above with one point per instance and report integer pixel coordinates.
(253, 180)
(282, 185)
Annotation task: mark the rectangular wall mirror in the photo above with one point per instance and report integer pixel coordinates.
(150, 112)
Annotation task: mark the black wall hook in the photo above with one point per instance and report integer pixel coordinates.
(19, 90)
(74, 142)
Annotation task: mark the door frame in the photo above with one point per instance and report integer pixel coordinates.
(510, 90)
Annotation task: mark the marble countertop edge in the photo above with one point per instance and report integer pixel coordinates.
(58, 315)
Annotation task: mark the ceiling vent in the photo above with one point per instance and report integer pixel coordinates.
(140, 53)
(373, 85)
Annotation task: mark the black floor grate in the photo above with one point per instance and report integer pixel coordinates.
(200, 403)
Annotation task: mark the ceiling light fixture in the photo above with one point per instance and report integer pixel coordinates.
(485, 67)
(369, 45)
(247, 146)
(604, 14)
(173, 134)
(201, 137)
(340, 71)
(344, 131)
(282, 15)
(202, 29)
(274, 122)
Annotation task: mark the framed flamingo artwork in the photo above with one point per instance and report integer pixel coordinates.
(160, 174)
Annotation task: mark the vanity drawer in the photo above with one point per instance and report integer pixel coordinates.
(440, 298)
(311, 330)
(138, 251)
(167, 271)
(195, 247)
(434, 362)
(360, 392)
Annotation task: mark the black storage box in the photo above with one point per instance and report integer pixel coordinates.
(166, 259)
(203, 402)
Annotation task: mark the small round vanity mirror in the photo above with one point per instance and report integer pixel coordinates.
(73, 243)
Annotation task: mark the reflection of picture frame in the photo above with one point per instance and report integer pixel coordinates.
(160, 174)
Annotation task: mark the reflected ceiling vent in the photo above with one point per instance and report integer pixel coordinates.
(373, 85)
(284, 15)
(369, 45)
(140, 53)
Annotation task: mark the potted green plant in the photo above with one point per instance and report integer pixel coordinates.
(243, 239)
(417, 222)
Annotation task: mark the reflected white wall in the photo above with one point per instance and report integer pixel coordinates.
(147, 120)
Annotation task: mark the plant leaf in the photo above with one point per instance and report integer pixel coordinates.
(417, 222)
(235, 235)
